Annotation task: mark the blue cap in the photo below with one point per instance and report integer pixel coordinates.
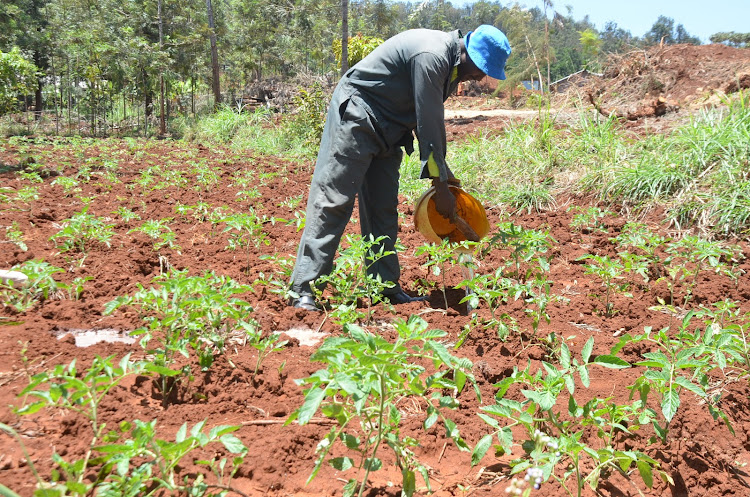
(488, 48)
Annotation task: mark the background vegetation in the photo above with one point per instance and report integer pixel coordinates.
(115, 67)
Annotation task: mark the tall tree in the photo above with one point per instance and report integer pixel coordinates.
(739, 40)
(215, 81)
(661, 31)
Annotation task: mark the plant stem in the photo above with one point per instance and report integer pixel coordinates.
(380, 434)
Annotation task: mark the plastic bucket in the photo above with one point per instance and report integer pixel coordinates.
(436, 228)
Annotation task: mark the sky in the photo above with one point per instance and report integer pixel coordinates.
(701, 19)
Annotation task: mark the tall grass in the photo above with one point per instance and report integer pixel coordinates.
(259, 130)
(697, 172)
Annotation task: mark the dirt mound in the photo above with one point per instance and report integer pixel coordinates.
(662, 79)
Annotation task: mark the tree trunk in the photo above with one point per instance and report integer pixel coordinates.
(38, 103)
(216, 84)
(344, 36)
(162, 123)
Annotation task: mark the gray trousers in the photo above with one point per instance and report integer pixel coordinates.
(353, 160)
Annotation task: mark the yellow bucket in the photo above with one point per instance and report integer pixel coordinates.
(436, 228)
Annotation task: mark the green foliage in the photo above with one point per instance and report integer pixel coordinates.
(351, 280)
(688, 257)
(366, 379)
(14, 235)
(437, 256)
(129, 460)
(493, 290)
(680, 362)
(199, 313)
(527, 248)
(739, 40)
(62, 387)
(81, 230)
(40, 286)
(611, 272)
(308, 121)
(589, 220)
(156, 229)
(551, 439)
(358, 47)
(18, 78)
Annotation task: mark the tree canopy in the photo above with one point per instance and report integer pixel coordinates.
(111, 59)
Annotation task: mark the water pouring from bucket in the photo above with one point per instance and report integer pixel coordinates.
(470, 223)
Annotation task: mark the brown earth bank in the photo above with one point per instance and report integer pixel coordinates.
(699, 455)
(666, 79)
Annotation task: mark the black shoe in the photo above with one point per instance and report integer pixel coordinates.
(401, 297)
(306, 302)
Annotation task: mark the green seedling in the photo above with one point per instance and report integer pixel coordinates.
(277, 281)
(126, 215)
(689, 256)
(248, 195)
(437, 257)
(27, 194)
(39, 287)
(159, 232)
(493, 290)
(265, 346)
(680, 362)
(206, 177)
(14, 235)
(245, 231)
(610, 271)
(63, 387)
(589, 220)
(184, 313)
(526, 245)
(351, 280)
(81, 231)
(552, 439)
(726, 336)
(199, 212)
(76, 287)
(365, 380)
(129, 460)
(69, 184)
(639, 236)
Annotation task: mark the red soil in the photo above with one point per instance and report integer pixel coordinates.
(701, 455)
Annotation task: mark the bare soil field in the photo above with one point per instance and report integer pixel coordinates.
(700, 455)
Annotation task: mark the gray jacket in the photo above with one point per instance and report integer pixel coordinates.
(405, 81)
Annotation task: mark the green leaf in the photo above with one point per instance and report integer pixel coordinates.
(460, 380)
(564, 355)
(583, 372)
(587, 348)
(670, 403)
(373, 463)
(181, 433)
(431, 419)
(30, 408)
(350, 488)
(611, 362)
(233, 444)
(410, 482)
(341, 463)
(6, 492)
(688, 385)
(161, 370)
(481, 449)
(644, 469)
(312, 401)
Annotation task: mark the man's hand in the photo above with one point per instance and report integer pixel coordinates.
(445, 201)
